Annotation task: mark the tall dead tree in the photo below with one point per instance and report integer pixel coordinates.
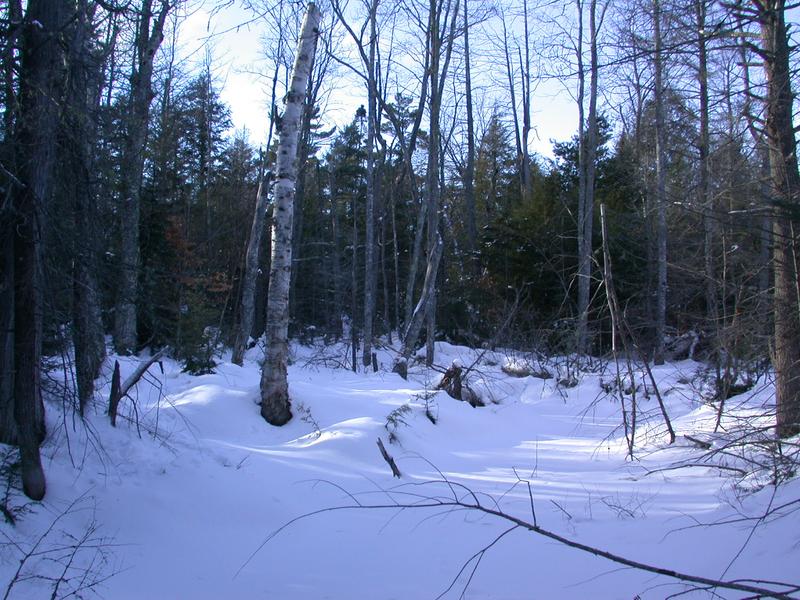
(247, 310)
(587, 159)
(370, 267)
(252, 259)
(275, 402)
(469, 167)
(441, 33)
(149, 35)
(661, 187)
(703, 147)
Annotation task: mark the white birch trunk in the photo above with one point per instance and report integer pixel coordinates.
(275, 405)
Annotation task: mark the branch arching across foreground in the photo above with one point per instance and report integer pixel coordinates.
(468, 500)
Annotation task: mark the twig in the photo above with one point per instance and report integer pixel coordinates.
(389, 460)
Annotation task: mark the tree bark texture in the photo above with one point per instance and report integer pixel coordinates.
(275, 403)
(706, 200)
(41, 82)
(150, 34)
(469, 167)
(247, 312)
(87, 323)
(370, 272)
(587, 148)
(785, 194)
(252, 259)
(8, 426)
(661, 191)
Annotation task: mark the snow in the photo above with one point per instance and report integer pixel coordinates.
(185, 503)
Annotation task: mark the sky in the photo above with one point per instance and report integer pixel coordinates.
(237, 51)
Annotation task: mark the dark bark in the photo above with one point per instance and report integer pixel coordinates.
(41, 81)
(661, 192)
(469, 167)
(8, 426)
(786, 195)
(370, 272)
(150, 34)
(77, 137)
(252, 259)
(253, 252)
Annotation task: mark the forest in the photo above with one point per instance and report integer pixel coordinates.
(394, 208)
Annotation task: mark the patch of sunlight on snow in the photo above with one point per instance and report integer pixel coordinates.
(314, 439)
(202, 395)
(546, 484)
(572, 445)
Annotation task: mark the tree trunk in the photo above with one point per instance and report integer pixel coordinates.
(416, 257)
(8, 427)
(706, 201)
(370, 274)
(78, 135)
(252, 259)
(527, 183)
(426, 307)
(583, 290)
(587, 229)
(786, 194)
(275, 403)
(41, 78)
(661, 192)
(336, 265)
(469, 168)
(149, 36)
(253, 252)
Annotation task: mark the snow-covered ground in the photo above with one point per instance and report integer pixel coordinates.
(183, 506)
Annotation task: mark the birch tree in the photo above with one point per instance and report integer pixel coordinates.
(275, 402)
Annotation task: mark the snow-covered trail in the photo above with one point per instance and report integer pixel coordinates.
(191, 508)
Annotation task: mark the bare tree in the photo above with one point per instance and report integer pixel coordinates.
(661, 186)
(587, 158)
(469, 167)
(370, 272)
(149, 35)
(253, 251)
(275, 402)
